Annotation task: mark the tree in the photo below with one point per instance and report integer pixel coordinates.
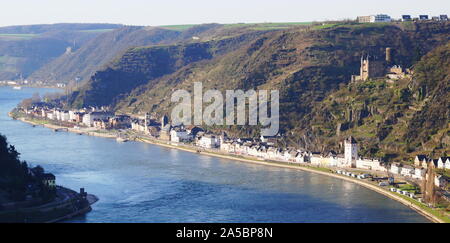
(428, 184)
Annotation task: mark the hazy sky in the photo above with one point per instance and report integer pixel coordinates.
(151, 12)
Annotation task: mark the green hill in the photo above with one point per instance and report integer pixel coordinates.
(311, 65)
(97, 53)
(25, 49)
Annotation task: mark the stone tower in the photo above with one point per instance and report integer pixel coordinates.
(351, 152)
(388, 55)
(164, 121)
(364, 69)
(146, 121)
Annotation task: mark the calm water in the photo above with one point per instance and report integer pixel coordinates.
(139, 182)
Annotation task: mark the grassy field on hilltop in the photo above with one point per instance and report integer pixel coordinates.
(17, 36)
(180, 27)
(96, 30)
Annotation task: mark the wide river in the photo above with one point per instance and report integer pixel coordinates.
(138, 182)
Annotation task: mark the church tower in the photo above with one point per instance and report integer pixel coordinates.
(351, 152)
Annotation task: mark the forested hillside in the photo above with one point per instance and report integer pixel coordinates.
(312, 68)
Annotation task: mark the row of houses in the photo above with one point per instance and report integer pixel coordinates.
(440, 163)
(408, 171)
(380, 18)
(421, 164)
(264, 148)
(89, 117)
(269, 152)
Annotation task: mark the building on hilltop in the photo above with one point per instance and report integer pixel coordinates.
(406, 18)
(379, 18)
(372, 67)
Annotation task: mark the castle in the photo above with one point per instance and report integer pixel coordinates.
(371, 68)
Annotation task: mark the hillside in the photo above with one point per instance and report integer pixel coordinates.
(390, 120)
(139, 65)
(311, 66)
(97, 53)
(25, 49)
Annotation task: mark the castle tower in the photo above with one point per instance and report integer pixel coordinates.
(146, 121)
(388, 54)
(164, 121)
(364, 70)
(351, 152)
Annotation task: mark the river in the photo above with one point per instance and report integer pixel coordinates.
(138, 182)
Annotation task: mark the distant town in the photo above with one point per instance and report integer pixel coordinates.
(124, 127)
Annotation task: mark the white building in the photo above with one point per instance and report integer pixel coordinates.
(274, 153)
(302, 158)
(44, 113)
(57, 115)
(227, 147)
(420, 161)
(419, 173)
(379, 18)
(351, 152)
(443, 162)
(316, 159)
(208, 141)
(395, 168)
(370, 164)
(72, 115)
(407, 171)
(88, 119)
(440, 181)
(179, 136)
(64, 116)
(51, 115)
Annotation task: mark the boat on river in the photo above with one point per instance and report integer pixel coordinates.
(121, 140)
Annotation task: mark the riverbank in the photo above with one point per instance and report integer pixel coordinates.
(323, 171)
(67, 204)
(91, 199)
(422, 209)
(33, 86)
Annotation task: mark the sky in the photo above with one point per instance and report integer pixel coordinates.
(172, 12)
